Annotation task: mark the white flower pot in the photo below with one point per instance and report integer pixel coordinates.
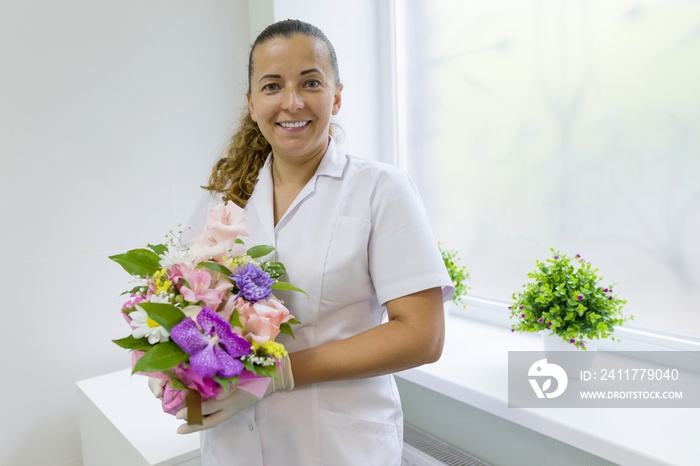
(553, 345)
(553, 342)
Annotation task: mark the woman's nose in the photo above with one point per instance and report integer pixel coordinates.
(291, 100)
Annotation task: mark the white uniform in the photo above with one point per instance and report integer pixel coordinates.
(355, 237)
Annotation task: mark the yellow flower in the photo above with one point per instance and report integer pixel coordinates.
(160, 279)
(274, 349)
(238, 261)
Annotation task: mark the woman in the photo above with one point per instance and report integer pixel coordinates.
(351, 233)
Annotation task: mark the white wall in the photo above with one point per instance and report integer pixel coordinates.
(111, 114)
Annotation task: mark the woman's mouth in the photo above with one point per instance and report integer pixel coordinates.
(293, 124)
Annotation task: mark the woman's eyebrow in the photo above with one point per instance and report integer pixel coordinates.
(312, 70)
(269, 76)
(277, 76)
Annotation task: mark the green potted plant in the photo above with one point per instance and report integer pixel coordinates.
(458, 273)
(565, 297)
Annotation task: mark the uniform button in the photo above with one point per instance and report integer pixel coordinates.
(250, 427)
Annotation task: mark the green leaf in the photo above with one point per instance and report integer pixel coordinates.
(263, 371)
(275, 269)
(286, 329)
(287, 286)
(226, 383)
(160, 357)
(175, 381)
(235, 319)
(136, 289)
(141, 262)
(260, 250)
(165, 314)
(158, 248)
(215, 267)
(132, 343)
(238, 241)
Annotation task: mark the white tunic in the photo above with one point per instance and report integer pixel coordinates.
(356, 237)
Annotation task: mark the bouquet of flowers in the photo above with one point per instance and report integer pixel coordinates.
(203, 317)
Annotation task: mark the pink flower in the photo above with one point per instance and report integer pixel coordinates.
(199, 289)
(225, 223)
(174, 399)
(263, 318)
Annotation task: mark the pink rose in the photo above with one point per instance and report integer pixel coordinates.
(225, 223)
(263, 318)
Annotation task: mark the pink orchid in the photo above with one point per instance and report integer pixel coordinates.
(199, 289)
(263, 318)
(225, 223)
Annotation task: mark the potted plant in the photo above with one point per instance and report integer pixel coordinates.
(566, 298)
(458, 274)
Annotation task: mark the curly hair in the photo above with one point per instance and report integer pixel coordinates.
(234, 175)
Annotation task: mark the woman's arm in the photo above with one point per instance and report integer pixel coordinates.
(413, 336)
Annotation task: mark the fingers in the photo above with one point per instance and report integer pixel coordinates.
(156, 385)
(217, 411)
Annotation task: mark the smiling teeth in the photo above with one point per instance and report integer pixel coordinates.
(297, 124)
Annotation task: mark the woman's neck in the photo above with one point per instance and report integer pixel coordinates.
(287, 182)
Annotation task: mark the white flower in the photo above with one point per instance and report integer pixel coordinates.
(192, 311)
(162, 297)
(176, 256)
(144, 326)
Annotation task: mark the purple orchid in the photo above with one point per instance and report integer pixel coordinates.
(214, 350)
(253, 282)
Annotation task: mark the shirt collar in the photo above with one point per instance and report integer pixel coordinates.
(332, 165)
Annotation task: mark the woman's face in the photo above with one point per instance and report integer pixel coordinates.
(293, 96)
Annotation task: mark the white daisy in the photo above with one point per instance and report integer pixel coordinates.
(144, 326)
(176, 256)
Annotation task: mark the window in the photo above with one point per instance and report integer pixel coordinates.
(571, 125)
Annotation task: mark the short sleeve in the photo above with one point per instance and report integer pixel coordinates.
(404, 257)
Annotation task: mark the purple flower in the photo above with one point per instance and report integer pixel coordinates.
(214, 350)
(610, 297)
(580, 297)
(549, 324)
(572, 341)
(253, 282)
(556, 257)
(520, 307)
(522, 315)
(540, 320)
(605, 290)
(512, 330)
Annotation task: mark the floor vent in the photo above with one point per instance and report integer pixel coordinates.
(420, 449)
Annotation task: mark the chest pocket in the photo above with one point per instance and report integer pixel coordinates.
(346, 277)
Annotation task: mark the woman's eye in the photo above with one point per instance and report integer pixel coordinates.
(312, 83)
(270, 87)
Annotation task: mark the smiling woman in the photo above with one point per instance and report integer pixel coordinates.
(294, 93)
(342, 226)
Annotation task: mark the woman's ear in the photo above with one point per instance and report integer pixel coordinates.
(337, 100)
(251, 109)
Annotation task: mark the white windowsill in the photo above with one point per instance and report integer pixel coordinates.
(474, 370)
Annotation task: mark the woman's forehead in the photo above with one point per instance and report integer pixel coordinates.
(288, 53)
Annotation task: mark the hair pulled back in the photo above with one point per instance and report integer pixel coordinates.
(234, 175)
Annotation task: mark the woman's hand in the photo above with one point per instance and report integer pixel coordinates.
(217, 410)
(225, 405)
(156, 385)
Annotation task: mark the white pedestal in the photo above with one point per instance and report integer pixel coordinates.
(121, 423)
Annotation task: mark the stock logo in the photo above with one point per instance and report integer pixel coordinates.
(542, 373)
